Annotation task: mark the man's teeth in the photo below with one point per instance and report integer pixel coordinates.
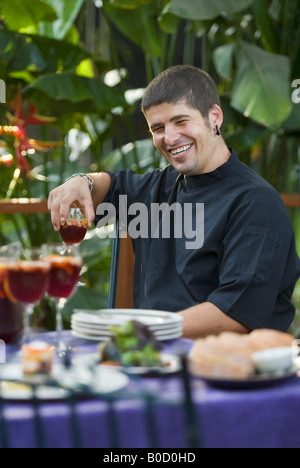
(181, 150)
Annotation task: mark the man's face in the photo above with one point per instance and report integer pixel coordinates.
(183, 137)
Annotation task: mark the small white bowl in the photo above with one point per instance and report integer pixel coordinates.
(273, 360)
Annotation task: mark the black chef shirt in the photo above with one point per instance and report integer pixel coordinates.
(247, 265)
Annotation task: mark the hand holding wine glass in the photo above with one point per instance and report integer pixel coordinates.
(73, 230)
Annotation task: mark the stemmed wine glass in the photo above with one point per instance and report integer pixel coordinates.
(27, 276)
(8, 253)
(73, 230)
(65, 266)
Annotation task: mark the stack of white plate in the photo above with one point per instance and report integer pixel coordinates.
(96, 324)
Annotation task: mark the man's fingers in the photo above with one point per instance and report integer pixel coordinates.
(61, 198)
(59, 209)
(88, 207)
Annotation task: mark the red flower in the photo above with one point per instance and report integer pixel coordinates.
(22, 144)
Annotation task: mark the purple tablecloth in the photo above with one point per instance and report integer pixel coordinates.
(261, 417)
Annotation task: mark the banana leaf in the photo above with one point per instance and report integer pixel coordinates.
(137, 24)
(68, 92)
(196, 10)
(261, 88)
(19, 14)
(67, 12)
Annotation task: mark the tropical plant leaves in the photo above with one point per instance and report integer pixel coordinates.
(67, 12)
(223, 60)
(261, 83)
(39, 54)
(199, 10)
(88, 95)
(128, 4)
(261, 88)
(139, 24)
(141, 156)
(19, 14)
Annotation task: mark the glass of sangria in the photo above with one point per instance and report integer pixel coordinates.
(11, 317)
(73, 230)
(65, 267)
(27, 281)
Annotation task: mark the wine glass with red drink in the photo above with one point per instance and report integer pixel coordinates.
(73, 230)
(65, 267)
(11, 317)
(27, 278)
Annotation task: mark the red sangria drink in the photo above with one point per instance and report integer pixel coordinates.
(73, 232)
(3, 274)
(65, 267)
(63, 276)
(28, 280)
(11, 318)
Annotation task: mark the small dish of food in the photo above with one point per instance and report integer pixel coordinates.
(273, 360)
(132, 349)
(37, 358)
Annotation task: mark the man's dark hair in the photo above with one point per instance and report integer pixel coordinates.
(182, 82)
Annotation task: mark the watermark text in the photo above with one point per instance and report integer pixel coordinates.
(2, 352)
(159, 220)
(2, 92)
(296, 92)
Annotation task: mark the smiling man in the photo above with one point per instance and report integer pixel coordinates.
(181, 134)
(243, 275)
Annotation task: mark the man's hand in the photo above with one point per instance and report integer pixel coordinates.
(76, 190)
(61, 198)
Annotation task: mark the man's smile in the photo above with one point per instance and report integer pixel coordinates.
(180, 152)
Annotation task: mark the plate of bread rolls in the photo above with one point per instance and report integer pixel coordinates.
(227, 360)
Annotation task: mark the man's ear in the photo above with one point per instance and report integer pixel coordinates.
(215, 116)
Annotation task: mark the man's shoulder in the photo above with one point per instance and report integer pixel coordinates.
(255, 185)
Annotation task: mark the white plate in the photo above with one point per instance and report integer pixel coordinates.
(169, 336)
(256, 381)
(106, 327)
(95, 324)
(101, 381)
(102, 337)
(172, 364)
(13, 385)
(91, 330)
(17, 391)
(107, 330)
(10, 388)
(167, 331)
(108, 317)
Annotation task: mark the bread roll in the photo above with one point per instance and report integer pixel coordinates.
(219, 358)
(266, 338)
(228, 356)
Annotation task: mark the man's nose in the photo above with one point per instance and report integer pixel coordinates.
(171, 135)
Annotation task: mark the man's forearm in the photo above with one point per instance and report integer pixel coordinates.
(206, 319)
(102, 183)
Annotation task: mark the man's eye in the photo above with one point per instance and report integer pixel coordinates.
(158, 130)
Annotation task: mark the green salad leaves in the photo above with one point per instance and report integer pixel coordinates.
(133, 344)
